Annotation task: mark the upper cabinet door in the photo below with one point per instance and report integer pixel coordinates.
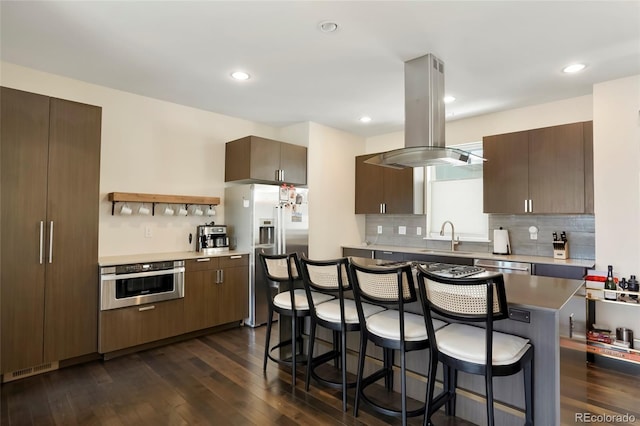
(369, 186)
(587, 128)
(293, 163)
(382, 189)
(505, 173)
(556, 169)
(398, 190)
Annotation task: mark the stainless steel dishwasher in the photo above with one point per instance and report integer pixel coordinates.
(504, 266)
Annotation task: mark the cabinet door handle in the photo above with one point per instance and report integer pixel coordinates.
(384, 207)
(282, 174)
(41, 240)
(380, 208)
(221, 276)
(146, 308)
(525, 206)
(51, 242)
(204, 259)
(236, 257)
(530, 206)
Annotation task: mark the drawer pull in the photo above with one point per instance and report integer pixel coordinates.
(204, 259)
(235, 257)
(146, 308)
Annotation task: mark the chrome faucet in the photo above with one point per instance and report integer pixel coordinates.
(453, 233)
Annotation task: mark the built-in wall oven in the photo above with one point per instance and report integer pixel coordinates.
(140, 283)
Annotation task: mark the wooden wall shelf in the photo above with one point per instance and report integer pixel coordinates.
(154, 199)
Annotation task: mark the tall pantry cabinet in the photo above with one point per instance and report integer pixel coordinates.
(50, 159)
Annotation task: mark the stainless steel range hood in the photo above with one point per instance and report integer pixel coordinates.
(424, 120)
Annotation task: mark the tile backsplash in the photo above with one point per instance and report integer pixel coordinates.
(580, 231)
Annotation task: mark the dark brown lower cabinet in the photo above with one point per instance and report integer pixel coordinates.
(216, 291)
(127, 327)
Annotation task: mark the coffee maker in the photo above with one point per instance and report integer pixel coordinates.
(212, 238)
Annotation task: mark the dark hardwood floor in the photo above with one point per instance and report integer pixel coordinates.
(218, 380)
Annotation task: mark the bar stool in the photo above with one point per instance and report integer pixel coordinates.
(392, 329)
(339, 315)
(288, 302)
(474, 350)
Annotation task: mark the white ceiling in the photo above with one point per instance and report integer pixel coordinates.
(498, 55)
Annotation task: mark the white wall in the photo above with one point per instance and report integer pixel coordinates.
(331, 177)
(148, 146)
(616, 149)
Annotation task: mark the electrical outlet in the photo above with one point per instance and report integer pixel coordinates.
(147, 232)
(419, 230)
(379, 229)
(402, 230)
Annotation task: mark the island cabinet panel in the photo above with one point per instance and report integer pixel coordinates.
(381, 190)
(547, 170)
(50, 200)
(128, 327)
(216, 291)
(261, 160)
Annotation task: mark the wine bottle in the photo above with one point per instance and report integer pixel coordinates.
(609, 284)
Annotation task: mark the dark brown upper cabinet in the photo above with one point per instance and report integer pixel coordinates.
(547, 170)
(261, 160)
(383, 190)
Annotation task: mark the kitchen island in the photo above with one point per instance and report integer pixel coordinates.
(534, 303)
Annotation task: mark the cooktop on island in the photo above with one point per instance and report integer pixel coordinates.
(446, 270)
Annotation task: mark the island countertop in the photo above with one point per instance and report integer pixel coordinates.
(522, 290)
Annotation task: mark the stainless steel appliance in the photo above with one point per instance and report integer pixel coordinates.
(212, 239)
(269, 219)
(140, 283)
(504, 266)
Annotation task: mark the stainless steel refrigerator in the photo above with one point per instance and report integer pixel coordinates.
(270, 219)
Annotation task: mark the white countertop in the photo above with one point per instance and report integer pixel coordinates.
(159, 257)
(481, 255)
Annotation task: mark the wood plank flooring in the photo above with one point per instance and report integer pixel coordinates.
(218, 380)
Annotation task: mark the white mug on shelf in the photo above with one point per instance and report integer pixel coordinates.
(125, 210)
(182, 211)
(143, 210)
(211, 211)
(197, 211)
(168, 211)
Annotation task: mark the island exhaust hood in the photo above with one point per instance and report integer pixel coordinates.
(424, 120)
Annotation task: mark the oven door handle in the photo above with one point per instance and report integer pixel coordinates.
(111, 277)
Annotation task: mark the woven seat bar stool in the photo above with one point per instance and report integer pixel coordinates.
(292, 302)
(392, 329)
(469, 348)
(338, 315)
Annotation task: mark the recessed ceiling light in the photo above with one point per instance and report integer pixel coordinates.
(449, 99)
(240, 75)
(570, 69)
(328, 26)
(365, 119)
